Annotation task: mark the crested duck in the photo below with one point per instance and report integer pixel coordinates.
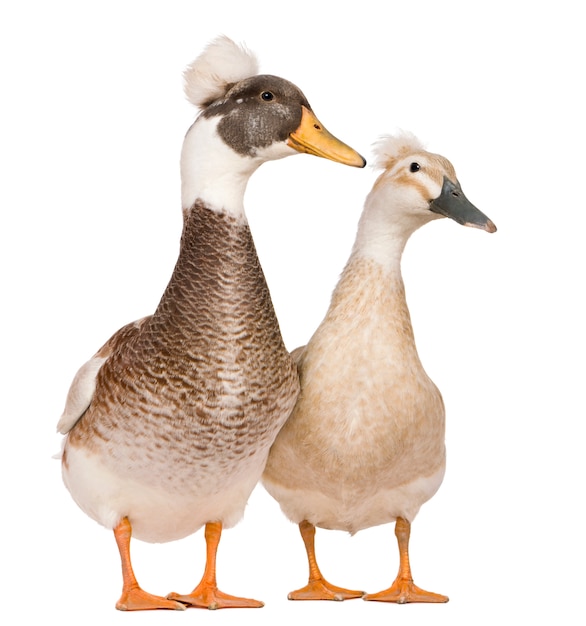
(168, 426)
(364, 444)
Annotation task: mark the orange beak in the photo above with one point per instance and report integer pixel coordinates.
(312, 137)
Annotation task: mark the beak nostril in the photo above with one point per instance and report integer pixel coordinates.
(317, 127)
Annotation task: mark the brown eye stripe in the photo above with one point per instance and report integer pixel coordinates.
(409, 180)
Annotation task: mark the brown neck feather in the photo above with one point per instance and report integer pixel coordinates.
(217, 284)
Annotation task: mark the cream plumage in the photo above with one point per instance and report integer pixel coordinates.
(168, 426)
(365, 442)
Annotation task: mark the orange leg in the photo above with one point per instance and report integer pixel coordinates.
(207, 595)
(133, 598)
(318, 588)
(403, 590)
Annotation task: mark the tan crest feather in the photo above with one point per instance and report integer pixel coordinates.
(390, 148)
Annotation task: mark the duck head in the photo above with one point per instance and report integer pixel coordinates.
(267, 116)
(246, 119)
(423, 185)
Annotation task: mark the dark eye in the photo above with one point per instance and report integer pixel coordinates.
(267, 96)
(414, 167)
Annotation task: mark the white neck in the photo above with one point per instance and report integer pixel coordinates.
(213, 172)
(385, 226)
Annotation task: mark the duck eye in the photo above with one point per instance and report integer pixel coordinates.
(414, 167)
(267, 96)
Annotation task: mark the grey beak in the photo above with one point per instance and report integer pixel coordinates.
(454, 204)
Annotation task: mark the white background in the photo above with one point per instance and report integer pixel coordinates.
(91, 126)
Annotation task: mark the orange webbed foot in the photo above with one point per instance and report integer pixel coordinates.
(212, 598)
(405, 591)
(138, 600)
(133, 598)
(318, 588)
(321, 589)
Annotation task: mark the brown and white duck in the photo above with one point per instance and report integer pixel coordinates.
(169, 425)
(365, 442)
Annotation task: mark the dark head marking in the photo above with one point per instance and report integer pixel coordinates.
(257, 112)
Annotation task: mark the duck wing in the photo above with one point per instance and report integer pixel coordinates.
(297, 356)
(83, 385)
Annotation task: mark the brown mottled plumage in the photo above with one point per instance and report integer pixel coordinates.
(169, 425)
(196, 383)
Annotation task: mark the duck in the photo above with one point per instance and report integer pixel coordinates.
(365, 442)
(168, 426)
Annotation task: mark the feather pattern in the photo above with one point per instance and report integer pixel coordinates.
(365, 442)
(368, 421)
(203, 384)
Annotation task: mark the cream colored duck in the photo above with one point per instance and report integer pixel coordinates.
(365, 442)
(169, 425)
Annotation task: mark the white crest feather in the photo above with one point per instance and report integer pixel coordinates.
(216, 69)
(389, 148)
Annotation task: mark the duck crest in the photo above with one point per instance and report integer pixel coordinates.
(222, 64)
(390, 148)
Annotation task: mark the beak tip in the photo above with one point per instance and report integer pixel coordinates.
(490, 227)
(312, 137)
